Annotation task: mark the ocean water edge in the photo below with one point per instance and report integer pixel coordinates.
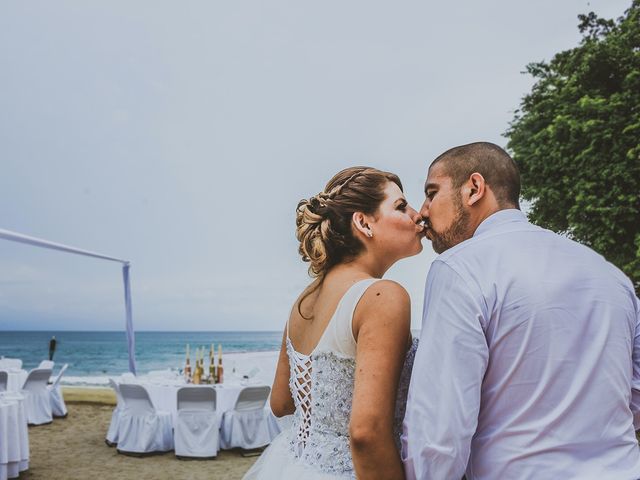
(95, 356)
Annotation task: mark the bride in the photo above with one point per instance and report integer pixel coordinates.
(346, 341)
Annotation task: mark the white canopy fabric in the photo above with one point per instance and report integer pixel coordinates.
(37, 242)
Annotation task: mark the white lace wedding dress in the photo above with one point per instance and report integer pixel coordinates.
(316, 446)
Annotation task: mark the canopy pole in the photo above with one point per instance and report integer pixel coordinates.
(38, 242)
(131, 339)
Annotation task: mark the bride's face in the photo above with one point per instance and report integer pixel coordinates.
(397, 228)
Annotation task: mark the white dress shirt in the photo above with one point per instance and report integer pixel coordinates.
(529, 362)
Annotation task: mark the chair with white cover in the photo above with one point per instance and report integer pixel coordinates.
(4, 380)
(46, 364)
(112, 434)
(127, 377)
(36, 397)
(10, 363)
(58, 407)
(247, 425)
(196, 431)
(142, 428)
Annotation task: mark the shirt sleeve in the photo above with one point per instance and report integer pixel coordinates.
(444, 395)
(635, 381)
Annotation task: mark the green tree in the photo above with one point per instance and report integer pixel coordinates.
(576, 139)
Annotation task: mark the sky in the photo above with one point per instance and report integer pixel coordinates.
(181, 136)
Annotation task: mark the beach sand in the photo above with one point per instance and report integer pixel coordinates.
(73, 448)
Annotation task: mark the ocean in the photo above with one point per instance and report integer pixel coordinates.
(94, 356)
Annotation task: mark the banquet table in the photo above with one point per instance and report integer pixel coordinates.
(14, 436)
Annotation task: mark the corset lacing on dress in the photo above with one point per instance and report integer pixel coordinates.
(321, 385)
(300, 386)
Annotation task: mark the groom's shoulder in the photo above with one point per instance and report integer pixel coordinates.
(474, 246)
(518, 245)
(500, 242)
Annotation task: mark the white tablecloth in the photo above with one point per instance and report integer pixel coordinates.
(16, 380)
(165, 397)
(14, 436)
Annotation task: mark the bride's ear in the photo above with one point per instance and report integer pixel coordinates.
(361, 224)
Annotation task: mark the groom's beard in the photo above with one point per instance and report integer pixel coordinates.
(456, 232)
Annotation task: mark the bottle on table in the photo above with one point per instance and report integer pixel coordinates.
(187, 367)
(212, 370)
(202, 375)
(187, 371)
(197, 377)
(220, 367)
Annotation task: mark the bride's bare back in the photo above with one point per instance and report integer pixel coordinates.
(315, 308)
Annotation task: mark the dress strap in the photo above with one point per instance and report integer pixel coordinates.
(339, 334)
(356, 293)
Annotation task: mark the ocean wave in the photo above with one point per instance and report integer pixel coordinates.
(86, 381)
(260, 364)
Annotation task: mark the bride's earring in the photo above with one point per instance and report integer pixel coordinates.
(360, 222)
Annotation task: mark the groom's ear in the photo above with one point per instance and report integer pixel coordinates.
(474, 189)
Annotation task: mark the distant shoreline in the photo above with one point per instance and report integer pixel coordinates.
(140, 331)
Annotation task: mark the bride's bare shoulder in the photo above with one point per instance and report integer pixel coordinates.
(386, 303)
(385, 292)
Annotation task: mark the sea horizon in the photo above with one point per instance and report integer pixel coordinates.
(95, 355)
(135, 331)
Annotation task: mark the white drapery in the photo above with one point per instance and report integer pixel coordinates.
(37, 242)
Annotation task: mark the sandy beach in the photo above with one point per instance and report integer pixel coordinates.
(74, 448)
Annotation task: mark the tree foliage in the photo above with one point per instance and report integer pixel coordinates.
(576, 139)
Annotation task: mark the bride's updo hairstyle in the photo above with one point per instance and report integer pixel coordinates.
(323, 222)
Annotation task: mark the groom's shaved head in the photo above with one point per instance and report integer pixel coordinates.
(499, 170)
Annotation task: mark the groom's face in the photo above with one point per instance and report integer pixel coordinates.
(446, 219)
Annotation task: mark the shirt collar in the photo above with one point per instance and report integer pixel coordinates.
(500, 218)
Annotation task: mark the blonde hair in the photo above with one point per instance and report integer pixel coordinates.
(323, 222)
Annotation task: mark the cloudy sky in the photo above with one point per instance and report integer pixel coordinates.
(181, 135)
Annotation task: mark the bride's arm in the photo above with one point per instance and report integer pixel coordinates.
(281, 401)
(381, 324)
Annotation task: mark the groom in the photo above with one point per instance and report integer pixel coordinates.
(529, 357)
